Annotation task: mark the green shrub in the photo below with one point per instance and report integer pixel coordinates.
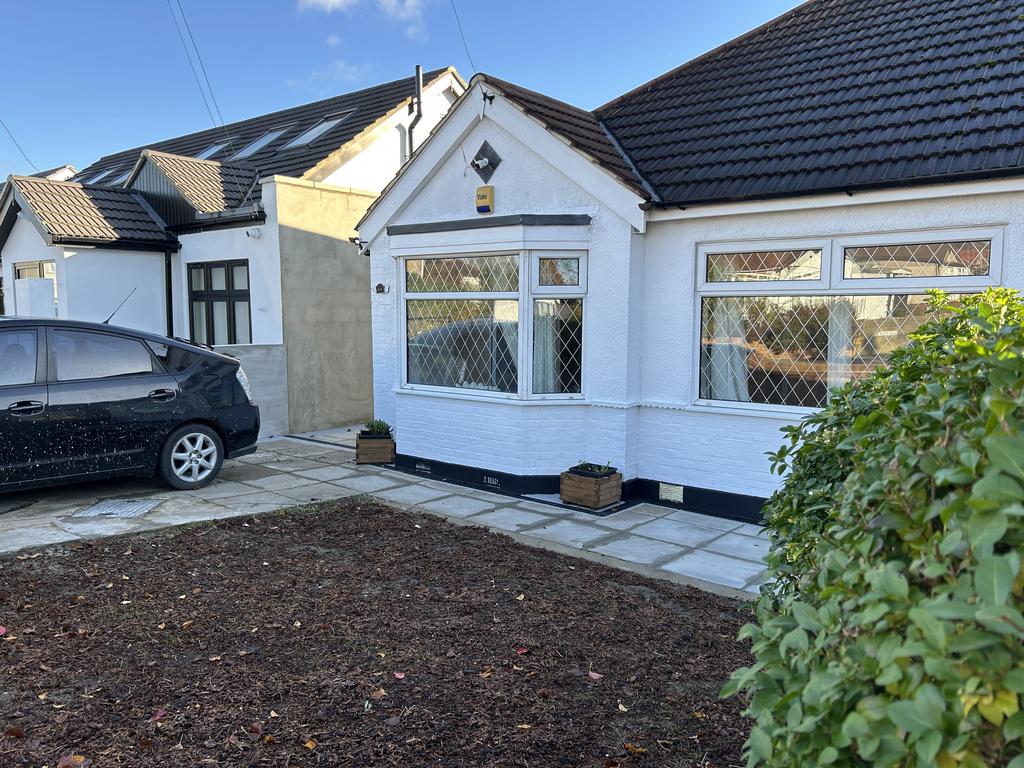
(891, 632)
(378, 427)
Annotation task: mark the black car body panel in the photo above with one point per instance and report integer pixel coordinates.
(104, 399)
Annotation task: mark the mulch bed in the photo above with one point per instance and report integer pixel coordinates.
(353, 634)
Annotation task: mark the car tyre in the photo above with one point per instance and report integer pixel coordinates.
(191, 458)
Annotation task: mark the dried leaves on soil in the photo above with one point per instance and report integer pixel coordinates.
(356, 635)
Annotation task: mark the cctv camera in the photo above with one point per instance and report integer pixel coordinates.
(254, 233)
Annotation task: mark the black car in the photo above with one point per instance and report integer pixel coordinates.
(85, 401)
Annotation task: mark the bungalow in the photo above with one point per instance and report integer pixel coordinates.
(665, 281)
(237, 237)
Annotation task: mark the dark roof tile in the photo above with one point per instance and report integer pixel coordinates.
(73, 212)
(366, 107)
(836, 94)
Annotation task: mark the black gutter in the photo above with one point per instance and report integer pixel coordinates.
(120, 245)
(168, 294)
(510, 220)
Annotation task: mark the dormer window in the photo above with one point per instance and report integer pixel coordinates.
(318, 130)
(119, 180)
(211, 150)
(260, 143)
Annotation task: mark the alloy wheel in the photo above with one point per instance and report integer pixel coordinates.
(194, 457)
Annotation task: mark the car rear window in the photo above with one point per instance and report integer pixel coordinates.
(84, 355)
(174, 359)
(17, 357)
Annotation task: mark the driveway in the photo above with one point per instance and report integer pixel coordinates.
(722, 556)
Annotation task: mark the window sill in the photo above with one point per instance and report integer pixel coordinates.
(502, 399)
(790, 414)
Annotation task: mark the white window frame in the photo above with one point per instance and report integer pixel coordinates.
(528, 275)
(255, 145)
(550, 291)
(833, 283)
(300, 140)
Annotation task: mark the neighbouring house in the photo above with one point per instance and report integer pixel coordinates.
(237, 237)
(60, 173)
(665, 281)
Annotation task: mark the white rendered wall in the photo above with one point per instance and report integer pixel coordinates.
(686, 444)
(229, 244)
(34, 297)
(517, 437)
(378, 163)
(91, 282)
(95, 281)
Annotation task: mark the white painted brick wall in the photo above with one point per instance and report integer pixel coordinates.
(639, 332)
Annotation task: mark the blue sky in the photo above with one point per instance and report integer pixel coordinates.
(89, 78)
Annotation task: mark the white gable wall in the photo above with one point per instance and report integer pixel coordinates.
(377, 164)
(521, 437)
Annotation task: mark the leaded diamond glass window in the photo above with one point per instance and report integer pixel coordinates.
(941, 259)
(557, 346)
(756, 266)
(472, 274)
(791, 350)
(559, 272)
(463, 343)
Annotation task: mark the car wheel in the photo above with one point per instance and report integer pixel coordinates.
(191, 458)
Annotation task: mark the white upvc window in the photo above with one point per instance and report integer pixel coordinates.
(780, 323)
(502, 325)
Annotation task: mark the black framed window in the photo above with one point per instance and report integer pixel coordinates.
(218, 300)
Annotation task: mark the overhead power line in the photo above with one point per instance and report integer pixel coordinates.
(462, 34)
(184, 47)
(202, 66)
(27, 160)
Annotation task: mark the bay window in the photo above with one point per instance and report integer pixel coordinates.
(508, 325)
(781, 324)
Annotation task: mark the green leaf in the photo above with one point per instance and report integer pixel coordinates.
(828, 756)
(933, 630)
(921, 715)
(760, 744)
(855, 726)
(986, 527)
(1017, 762)
(1007, 453)
(1013, 728)
(805, 616)
(1014, 680)
(997, 488)
(993, 579)
(927, 747)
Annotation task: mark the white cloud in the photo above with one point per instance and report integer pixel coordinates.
(407, 12)
(332, 40)
(329, 5)
(339, 74)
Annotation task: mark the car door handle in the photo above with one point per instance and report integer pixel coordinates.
(162, 395)
(26, 408)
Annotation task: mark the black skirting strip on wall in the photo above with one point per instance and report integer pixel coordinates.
(733, 506)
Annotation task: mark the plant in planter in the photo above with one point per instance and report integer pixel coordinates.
(375, 444)
(591, 485)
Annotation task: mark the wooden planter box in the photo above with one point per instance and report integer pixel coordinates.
(372, 449)
(591, 491)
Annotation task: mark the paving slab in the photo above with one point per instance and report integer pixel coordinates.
(220, 490)
(625, 519)
(293, 465)
(715, 568)
(278, 481)
(410, 494)
(238, 472)
(704, 521)
(317, 492)
(456, 506)
(96, 527)
(639, 549)
(511, 519)
(327, 474)
(569, 532)
(36, 536)
(677, 532)
(752, 548)
(367, 483)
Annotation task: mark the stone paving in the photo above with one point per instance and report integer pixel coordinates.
(715, 554)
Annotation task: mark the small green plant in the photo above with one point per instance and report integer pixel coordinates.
(378, 427)
(891, 631)
(588, 466)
